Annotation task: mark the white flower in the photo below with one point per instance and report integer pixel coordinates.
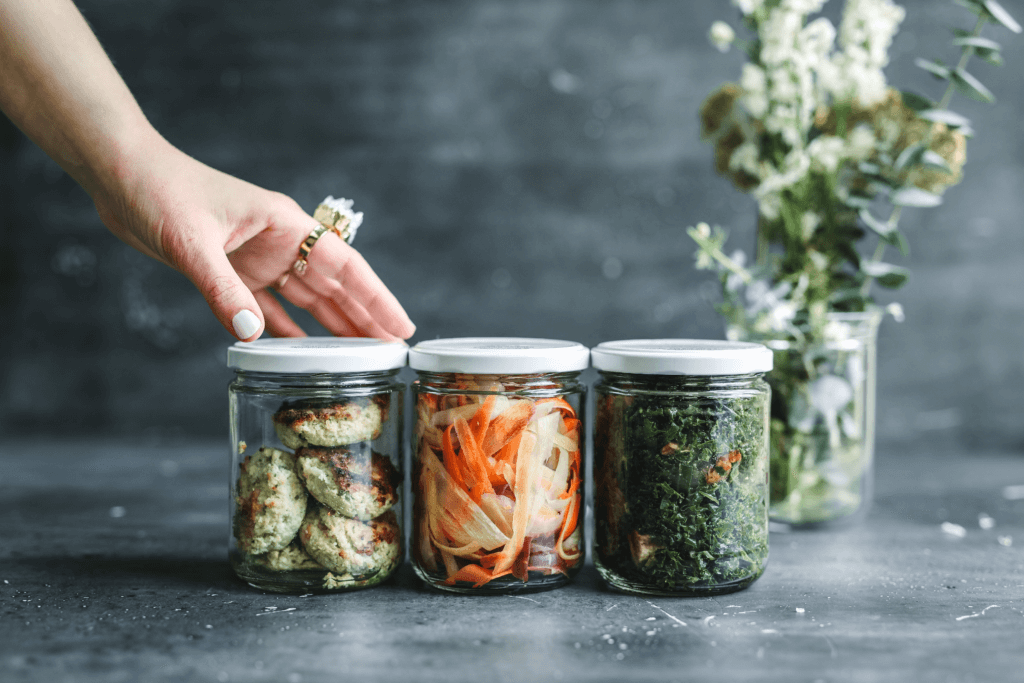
(826, 152)
(804, 6)
(770, 206)
(896, 311)
(865, 34)
(816, 41)
(794, 168)
(809, 222)
(746, 158)
(734, 280)
(754, 82)
(721, 36)
(748, 6)
(861, 144)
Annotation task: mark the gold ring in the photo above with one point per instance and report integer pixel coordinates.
(279, 282)
(307, 246)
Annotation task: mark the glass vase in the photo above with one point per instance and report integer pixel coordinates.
(822, 430)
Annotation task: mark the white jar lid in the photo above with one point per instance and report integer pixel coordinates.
(498, 355)
(313, 355)
(698, 357)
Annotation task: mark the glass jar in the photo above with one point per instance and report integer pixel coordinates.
(498, 461)
(681, 465)
(316, 444)
(823, 423)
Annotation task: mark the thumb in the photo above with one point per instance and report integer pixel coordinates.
(228, 297)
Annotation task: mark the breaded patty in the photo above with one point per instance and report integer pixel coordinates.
(270, 501)
(293, 557)
(364, 550)
(351, 480)
(330, 423)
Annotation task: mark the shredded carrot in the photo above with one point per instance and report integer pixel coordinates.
(499, 489)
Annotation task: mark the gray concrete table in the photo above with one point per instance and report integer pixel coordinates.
(112, 567)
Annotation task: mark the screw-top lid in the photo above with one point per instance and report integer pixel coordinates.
(698, 357)
(498, 355)
(312, 355)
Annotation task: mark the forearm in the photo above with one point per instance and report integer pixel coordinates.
(59, 87)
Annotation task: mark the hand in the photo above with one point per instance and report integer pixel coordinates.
(234, 240)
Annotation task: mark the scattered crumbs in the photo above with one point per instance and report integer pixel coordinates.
(275, 611)
(623, 646)
(1005, 541)
(523, 597)
(609, 609)
(229, 602)
(749, 611)
(269, 609)
(708, 619)
(985, 522)
(577, 645)
(679, 622)
(241, 447)
(605, 637)
(976, 614)
(736, 606)
(209, 626)
(648, 618)
(768, 630)
(1013, 492)
(305, 595)
(954, 530)
(117, 512)
(625, 630)
(651, 633)
(611, 641)
(800, 610)
(620, 656)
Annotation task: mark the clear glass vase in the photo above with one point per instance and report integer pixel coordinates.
(823, 423)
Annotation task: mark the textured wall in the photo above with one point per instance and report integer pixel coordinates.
(527, 168)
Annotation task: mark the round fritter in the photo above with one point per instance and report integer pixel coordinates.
(351, 480)
(293, 557)
(270, 501)
(330, 423)
(363, 550)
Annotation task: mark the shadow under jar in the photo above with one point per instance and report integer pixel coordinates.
(498, 462)
(316, 444)
(681, 465)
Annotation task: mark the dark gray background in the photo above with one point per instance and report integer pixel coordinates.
(526, 168)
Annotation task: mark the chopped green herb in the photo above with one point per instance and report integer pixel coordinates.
(681, 494)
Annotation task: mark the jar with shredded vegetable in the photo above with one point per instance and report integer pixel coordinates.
(497, 477)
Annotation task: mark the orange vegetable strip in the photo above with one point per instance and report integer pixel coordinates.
(482, 418)
(459, 517)
(474, 461)
(451, 461)
(521, 515)
(559, 404)
(508, 452)
(522, 561)
(506, 426)
(475, 573)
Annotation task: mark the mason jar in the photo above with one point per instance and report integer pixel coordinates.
(498, 461)
(316, 445)
(681, 465)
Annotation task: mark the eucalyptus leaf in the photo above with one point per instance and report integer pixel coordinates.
(945, 116)
(916, 197)
(971, 86)
(916, 102)
(997, 12)
(886, 274)
(976, 41)
(868, 168)
(911, 156)
(883, 228)
(933, 159)
(859, 202)
(992, 57)
(934, 68)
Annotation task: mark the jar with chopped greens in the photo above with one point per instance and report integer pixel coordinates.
(681, 465)
(316, 445)
(497, 466)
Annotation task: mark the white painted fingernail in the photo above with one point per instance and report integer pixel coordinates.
(246, 324)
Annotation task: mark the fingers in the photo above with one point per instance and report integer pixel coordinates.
(228, 297)
(336, 322)
(343, 302)
(279, 323)
(365, 299)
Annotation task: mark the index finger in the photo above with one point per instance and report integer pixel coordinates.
(331, 257)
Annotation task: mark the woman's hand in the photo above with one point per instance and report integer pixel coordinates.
(234, 241)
